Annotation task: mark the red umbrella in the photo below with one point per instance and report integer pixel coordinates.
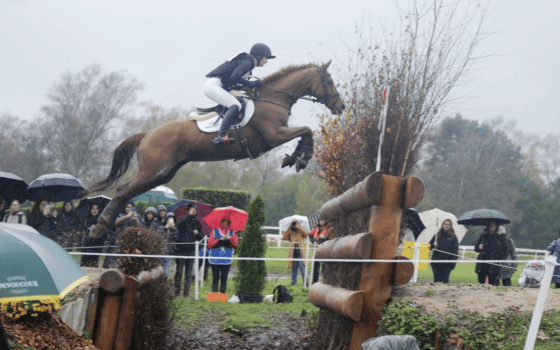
(236, 217)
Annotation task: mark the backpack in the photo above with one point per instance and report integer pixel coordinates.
(283, 294)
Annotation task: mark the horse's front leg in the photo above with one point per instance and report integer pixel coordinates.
(304, 150)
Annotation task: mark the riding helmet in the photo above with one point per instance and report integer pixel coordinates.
(261, 50)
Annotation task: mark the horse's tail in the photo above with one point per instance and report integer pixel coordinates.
(121, 160)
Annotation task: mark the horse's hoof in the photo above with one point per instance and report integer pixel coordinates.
(288, 161)
(300, 164)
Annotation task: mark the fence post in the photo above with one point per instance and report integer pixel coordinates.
(279, 241)
(203, 260)
(549, 264)
(306, 262)
(196, 249)
(313, 265)
(415, 259)
(535, 255)
(463, 255)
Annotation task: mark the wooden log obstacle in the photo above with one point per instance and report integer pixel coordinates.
(387, 196)
(111, 317)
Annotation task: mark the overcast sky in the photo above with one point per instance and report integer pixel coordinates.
(171, 45)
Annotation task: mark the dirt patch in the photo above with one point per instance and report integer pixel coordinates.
(442, 299)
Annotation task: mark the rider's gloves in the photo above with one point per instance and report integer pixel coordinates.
(255, 84)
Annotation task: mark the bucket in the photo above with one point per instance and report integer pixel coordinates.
(215, 297)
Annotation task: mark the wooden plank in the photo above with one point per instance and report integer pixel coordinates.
(348, 247)
(414, 192)
(112, 280)
(93, 302)
(376, 278)
(105, 335)
(346, 302)
(402, 272)
(362, 195)
(126, 317)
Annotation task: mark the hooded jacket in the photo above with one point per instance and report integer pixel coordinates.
(66, 221)
(186, 234)
(298, 240)
(129, 222)
(89, 221)
(151, 224)
(495, 247)
(160, 222)
(43, 224)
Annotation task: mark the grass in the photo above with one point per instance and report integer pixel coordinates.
(240, 316)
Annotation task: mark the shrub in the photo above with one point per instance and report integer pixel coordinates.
(30, 309)
(218, 198)
(252, 274)
(153, 319)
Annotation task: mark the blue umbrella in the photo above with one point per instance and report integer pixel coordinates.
(482, 217)
(12, 187)
(55, 188)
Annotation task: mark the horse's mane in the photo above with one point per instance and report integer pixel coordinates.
(286, 71)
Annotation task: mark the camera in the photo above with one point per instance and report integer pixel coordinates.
(294, 224)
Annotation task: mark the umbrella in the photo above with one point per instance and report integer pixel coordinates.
(285, 222)
(159, 194)
(12, 187)
(237, 217)
(313, 219)
(33, 267)
(181, 208)
(482, 217)
(84, 207)
(55, 188)
(413, 222)
(433, 219)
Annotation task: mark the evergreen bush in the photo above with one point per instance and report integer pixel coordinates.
(252, 274)
(218, 198)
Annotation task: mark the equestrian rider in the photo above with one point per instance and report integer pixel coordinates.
(229, 75)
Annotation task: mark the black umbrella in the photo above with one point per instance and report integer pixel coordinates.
(12, 187)
(84, 207)
(314, 219)
(482, 217)
(413, 222)
(55, 188)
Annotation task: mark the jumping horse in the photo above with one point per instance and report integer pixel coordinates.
(162, 151)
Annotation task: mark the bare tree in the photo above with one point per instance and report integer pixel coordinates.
(78, 121)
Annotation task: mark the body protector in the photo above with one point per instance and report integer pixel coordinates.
(235, 71)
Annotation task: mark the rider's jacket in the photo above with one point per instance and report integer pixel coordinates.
(235, 71)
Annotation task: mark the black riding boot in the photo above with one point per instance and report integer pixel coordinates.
(226, 123)
(177, 287)
(187, 287)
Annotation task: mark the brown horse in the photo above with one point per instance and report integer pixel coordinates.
(165, 149)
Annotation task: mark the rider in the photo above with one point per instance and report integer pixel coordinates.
(227, 76)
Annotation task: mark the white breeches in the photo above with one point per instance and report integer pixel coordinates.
(214, 91)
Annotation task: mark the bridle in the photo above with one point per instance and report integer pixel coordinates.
(325, 101)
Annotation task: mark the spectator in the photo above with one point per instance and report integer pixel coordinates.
(491, 246)
(297, 235)
(66, 222)
(189, 231)
(128, 218)
(15, 216)
(554, 249)
(222, 242)
(40, 219)
(161, 217)
(91, 260)
(446, 247)
(170, 232)
(150, 221)
(508, 268)
(2, 209)
(317, 236)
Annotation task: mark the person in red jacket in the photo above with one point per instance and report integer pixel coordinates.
(222, 242)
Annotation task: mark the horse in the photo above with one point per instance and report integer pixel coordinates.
(162, 151)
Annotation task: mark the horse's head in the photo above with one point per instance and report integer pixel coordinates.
(324, 89)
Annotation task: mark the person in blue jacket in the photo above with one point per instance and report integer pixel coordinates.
(229, 75)
(128, 218)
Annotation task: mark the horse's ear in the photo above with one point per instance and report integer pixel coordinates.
(326, 65)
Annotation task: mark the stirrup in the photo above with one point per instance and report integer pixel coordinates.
(225, 140)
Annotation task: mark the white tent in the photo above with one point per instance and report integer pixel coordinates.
(285, 222)
(433, 219)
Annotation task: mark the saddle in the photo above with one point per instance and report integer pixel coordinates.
(201, 114)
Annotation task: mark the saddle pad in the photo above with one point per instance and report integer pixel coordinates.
(209, 126)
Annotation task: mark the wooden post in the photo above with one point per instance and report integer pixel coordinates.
(126, 316)
(91, 313)
(105, 336)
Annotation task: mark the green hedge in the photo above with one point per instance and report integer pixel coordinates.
(218, 198)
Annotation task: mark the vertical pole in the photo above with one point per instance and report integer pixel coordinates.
(306, 262)
(382, 127)
(312, 265)
(196, 249)
(535, 255)
(549, 264)
(415, 258)
(203, 261)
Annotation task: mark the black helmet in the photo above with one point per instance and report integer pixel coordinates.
(261, 50)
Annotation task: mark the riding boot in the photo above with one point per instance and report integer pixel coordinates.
(177, 287)
(229, 118)
(187, 288)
